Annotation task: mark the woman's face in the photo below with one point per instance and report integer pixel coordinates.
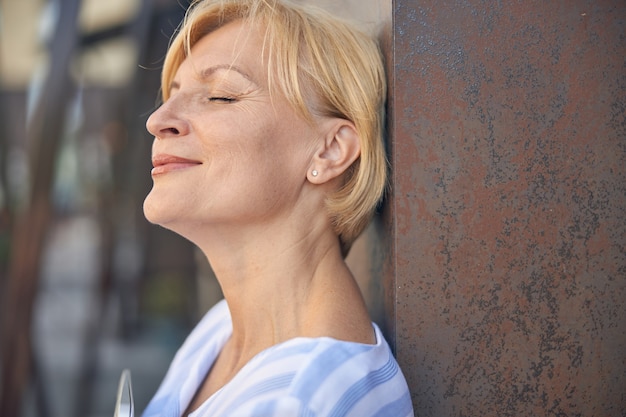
(226, 151)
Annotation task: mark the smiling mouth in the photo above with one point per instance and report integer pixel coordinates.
(168, 163)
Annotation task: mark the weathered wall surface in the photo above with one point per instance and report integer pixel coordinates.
(507, 222)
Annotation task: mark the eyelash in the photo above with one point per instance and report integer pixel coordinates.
(223, 99)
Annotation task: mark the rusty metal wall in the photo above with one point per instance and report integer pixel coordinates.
(506, 285)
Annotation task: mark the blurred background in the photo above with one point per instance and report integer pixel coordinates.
(87, 286)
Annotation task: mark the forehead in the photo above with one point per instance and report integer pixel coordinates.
(235, 46)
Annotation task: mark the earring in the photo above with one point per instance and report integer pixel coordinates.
(314, 173)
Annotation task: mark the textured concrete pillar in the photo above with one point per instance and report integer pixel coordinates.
(507, 221)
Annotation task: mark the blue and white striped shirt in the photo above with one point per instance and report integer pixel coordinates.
(302, 377)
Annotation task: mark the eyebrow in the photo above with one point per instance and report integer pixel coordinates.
(208, 72)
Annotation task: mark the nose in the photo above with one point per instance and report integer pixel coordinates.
(165, 122)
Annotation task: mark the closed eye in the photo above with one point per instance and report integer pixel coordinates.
(222, 99)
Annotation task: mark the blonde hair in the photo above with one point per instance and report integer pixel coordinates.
(313, 57)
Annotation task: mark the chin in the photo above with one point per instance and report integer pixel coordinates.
(149, 211)
(154, 212)
(168, 216)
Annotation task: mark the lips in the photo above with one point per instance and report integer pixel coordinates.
(164, 163)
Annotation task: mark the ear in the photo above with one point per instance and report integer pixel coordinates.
(336, 153)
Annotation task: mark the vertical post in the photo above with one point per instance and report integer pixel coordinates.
(44, 135)
(508, 213)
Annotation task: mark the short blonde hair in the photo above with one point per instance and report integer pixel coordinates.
(312, 53)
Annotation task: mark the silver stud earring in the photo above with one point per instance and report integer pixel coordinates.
(314, 173)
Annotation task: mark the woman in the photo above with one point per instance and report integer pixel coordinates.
(268, 155)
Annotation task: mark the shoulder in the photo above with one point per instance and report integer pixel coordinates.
(351, 379)
(322, 377)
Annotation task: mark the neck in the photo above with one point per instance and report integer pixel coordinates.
(280, 286)
(273, 283)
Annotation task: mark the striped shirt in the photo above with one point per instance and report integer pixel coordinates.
(302, 377)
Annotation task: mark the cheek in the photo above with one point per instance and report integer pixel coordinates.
(256, 141)
(246, 147)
